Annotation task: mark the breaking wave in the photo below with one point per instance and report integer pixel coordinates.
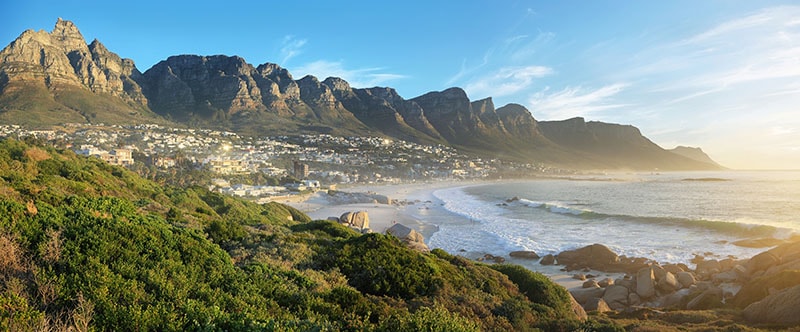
(724, 227)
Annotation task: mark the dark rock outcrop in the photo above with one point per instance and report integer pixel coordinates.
(778, 308)
(596, 256)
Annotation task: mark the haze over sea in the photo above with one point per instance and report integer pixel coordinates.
(669, 217)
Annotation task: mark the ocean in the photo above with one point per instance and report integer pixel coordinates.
(668, 217)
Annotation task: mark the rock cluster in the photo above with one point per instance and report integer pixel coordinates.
(358, 220)
(341, 197)
(766, 287)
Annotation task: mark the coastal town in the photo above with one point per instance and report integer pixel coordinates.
(283, 165)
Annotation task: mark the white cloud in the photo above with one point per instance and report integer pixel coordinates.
(358, 78)
(514, 53)
(575, 101)
(506, 81)
(291, 47)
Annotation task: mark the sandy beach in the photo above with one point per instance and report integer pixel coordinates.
(421, 200)
(381, 216)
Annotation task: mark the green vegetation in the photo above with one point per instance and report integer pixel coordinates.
(89, 246)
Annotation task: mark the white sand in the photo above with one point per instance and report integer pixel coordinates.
(381, 216)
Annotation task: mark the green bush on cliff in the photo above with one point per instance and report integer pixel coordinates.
(550, 299)
(381, 265)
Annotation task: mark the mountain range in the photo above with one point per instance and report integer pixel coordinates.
(49, 78)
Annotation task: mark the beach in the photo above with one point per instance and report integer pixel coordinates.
(661, 217)
(406, 197)
(420, 209)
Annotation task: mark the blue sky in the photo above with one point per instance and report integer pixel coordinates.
(722, 75)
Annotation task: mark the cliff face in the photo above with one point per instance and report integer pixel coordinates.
(214, 86)
(67, 77)
(62, 58)
(50, 78)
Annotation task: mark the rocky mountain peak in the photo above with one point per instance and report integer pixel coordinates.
(273, 70)
(68, 35)
(337, 84)
(513, 110)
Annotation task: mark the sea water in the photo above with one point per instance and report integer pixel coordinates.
(668, 217)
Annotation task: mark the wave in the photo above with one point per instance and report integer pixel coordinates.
(725, 227)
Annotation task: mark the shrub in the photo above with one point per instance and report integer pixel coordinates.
(381, 265)
(539, 289)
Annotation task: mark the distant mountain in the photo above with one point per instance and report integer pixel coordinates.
(616, 146)
(695, 154)
(52, 78)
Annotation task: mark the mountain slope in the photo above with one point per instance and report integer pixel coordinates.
(616, 146)
(694, 154)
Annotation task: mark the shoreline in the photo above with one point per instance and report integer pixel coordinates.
(382, 216)
(422, 205)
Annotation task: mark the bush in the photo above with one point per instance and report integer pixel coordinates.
(429, 319)
(539, 289)
(381, 265)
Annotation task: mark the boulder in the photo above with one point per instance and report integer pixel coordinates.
(548, 260)
(578, 309)
(674, 268)
(524, 254)
(686, 279)
(762, 262)
(726, 264)
(708, 267)
(645, 283)
(668, 283)
(596, 256)
(727, 276)
(597, 304)
(788, 252)
(358, 219)
(785, 266)
(674, 300)
(616, 297)
(412, 238)
(628, 283)
(779, 308)
(709, 299)
(634, 299)
(582, 295)
(758, 289)
(605, 282)
(590, 284)
(741, 272)
(659, 273)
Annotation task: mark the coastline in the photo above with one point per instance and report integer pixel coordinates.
(407, 198)
(418, 214)
(416, 206)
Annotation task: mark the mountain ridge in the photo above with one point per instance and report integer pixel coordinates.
(56, 77)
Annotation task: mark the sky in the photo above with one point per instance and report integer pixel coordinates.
(723, 75)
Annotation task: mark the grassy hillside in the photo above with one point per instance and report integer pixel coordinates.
(89, 246)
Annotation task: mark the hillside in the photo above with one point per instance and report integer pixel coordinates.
(91, 246)
(49, 78)
(695, 154)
